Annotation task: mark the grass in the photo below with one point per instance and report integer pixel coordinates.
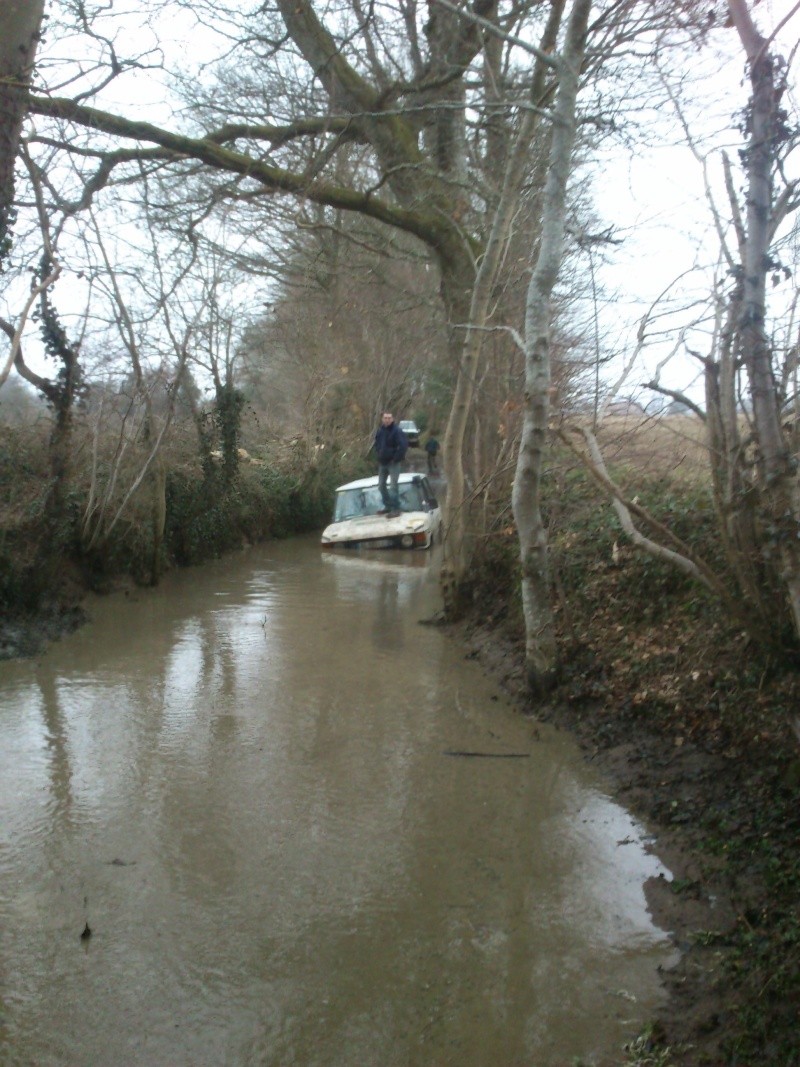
(660, 446)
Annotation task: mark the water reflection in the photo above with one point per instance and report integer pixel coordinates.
(58, 763)
(240, 779)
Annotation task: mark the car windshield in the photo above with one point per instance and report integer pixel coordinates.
(355, 503)
(407, 425)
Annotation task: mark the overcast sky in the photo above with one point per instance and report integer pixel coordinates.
(652, 200)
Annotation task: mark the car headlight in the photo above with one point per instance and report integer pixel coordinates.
(407, 541)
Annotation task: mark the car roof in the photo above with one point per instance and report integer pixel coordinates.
(368, 483)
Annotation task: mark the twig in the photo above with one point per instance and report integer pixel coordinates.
(488, 755)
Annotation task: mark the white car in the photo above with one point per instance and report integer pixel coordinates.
(358, 524)
(411, 430)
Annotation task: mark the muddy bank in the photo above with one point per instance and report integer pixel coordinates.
(720, 800)
(26, 636)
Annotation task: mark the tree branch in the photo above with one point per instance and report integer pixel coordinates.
(682, 557)
(494, 29)
(681, 398)
(280, 135)
(426, 225)
(15, 355)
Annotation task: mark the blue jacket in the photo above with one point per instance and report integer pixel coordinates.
(390, 444)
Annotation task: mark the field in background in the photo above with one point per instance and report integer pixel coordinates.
(672, 446)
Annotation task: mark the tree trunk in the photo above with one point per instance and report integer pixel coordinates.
(457, 287)
(228, 416)
(158, 489)
(20, 24)
(735, 496)
(540, 644)
(766, 126)
(457, 547)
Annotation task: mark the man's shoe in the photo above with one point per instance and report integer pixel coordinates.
(393, 514)
(383, 511)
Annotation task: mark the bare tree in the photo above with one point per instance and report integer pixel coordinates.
(20, 26)
(354, 323)
(776, 466)
(457, 549)
(540, 644)
(109, 496)
(749, 376)
(393, 89)
(63, 389)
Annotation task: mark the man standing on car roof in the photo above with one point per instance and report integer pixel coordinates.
(390, 448)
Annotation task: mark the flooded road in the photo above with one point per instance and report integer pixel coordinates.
(241, 782)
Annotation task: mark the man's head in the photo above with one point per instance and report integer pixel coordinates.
(387, 418)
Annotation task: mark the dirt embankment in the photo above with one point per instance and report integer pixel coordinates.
(690, 728)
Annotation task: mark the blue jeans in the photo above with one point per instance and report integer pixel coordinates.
(390, 497)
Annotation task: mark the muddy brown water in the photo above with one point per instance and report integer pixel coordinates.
(241, 782)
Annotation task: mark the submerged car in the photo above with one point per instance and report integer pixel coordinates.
(411, 430)
(358, 522)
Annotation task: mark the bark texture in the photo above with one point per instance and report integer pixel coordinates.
(20, 26)
(777, 475)
(540, 643)
(457, 548)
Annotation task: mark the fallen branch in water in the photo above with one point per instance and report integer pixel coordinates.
(490, 755)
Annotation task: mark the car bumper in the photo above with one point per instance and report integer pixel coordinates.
(419, 539)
